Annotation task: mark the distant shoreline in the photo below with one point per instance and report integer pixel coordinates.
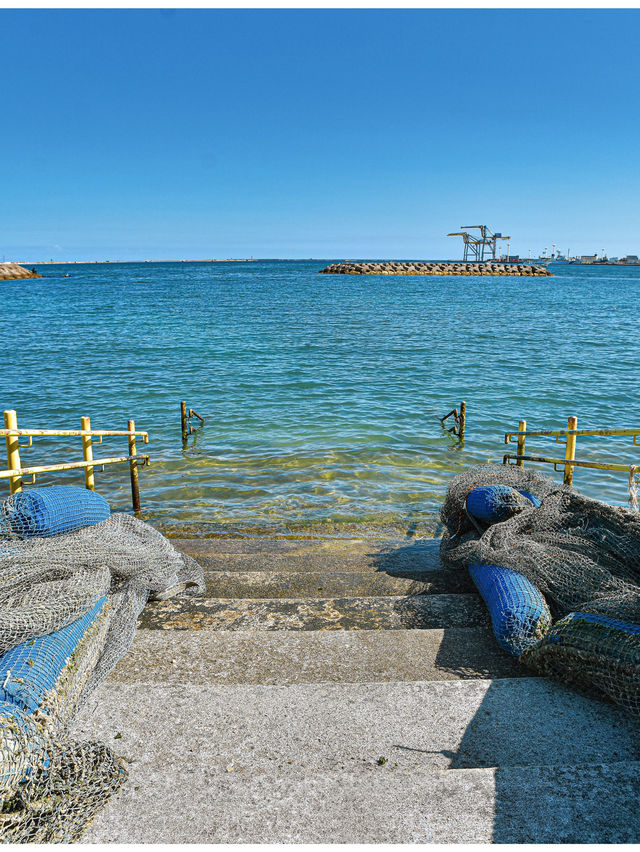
(32, 263)
(210, 260)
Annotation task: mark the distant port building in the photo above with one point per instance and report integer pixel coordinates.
(629, 260)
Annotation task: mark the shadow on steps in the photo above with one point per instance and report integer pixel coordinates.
(561, 776)
(553, 783)
(420, 561)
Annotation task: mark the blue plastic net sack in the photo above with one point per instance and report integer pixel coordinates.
(519, 614)
(494, 503)
(22, 747)
(40, 683)
(51, 511)
(31, 669)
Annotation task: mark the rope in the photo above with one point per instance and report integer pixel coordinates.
(633, 487)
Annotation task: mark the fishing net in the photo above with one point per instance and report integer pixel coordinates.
(68, 610)
(578, 557)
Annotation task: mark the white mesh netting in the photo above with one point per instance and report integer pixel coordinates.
(580, 557)
(68, 610)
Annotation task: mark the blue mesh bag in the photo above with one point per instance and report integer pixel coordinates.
(494, 503)
(44, 674)
(519, 613)
(52, 511)
(21, 746)
(32, 668)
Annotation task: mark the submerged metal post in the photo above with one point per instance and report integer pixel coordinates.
(184, 422)
(522, 427)
(87, 454)
(133, 467)
(462, 420)
(13, 453)
(572, 424)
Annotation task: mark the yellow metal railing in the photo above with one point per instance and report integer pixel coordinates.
(569, 462)
(15, 472)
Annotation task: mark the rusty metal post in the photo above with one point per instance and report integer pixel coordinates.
(462, 420)
(184, 422)
(87, 454)
(13, 453)
(133, 467)
(570, 453)
(522, 427)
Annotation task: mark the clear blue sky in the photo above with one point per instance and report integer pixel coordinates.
(211, 133)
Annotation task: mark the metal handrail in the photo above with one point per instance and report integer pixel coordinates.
(73, 433)
(15, 471)
(47, 468)
(624, 468)
(571, 434)
(509, 436)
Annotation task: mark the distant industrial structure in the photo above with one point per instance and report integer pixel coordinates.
(478, 247)
(483, 246)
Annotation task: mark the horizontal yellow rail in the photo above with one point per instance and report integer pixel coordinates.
(624, 468)
(46, 468)
(558, 433)
(72, 433)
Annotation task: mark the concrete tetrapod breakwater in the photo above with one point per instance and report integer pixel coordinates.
(429, 268)
(11, 271)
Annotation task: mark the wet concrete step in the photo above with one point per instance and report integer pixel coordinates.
(309, 728)
(280, 658)
(410, 559)
(557, 804)
(323, 584)
(362, 613)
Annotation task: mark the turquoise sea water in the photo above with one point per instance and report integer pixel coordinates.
(321, 393)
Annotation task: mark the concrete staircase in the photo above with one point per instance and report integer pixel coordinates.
(344, 692)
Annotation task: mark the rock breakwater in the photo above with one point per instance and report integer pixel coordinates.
(13, 271)
(428, 268)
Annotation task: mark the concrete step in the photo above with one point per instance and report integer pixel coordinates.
(318, 712)
(279, 658)
(311, 728)
(370, 613)
(322, 584)
(193, 804)
(410, 559)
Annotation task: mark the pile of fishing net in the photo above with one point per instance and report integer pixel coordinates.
(73, 580)
(560, 574)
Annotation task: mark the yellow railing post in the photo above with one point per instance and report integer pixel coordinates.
(184, 421)
(87, 454)
(572, 424)
(463, 421)
(522, 427)
(13, 453)
(133, 467)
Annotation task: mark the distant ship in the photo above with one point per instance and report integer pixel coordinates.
(535, 261)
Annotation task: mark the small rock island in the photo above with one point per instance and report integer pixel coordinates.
(13, 271)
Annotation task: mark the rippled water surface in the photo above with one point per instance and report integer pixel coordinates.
(321, 393)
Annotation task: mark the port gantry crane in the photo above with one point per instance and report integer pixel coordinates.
(474, 245)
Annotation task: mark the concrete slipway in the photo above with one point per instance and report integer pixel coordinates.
(345, 692)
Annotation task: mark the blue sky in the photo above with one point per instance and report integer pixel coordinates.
(330, 133)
